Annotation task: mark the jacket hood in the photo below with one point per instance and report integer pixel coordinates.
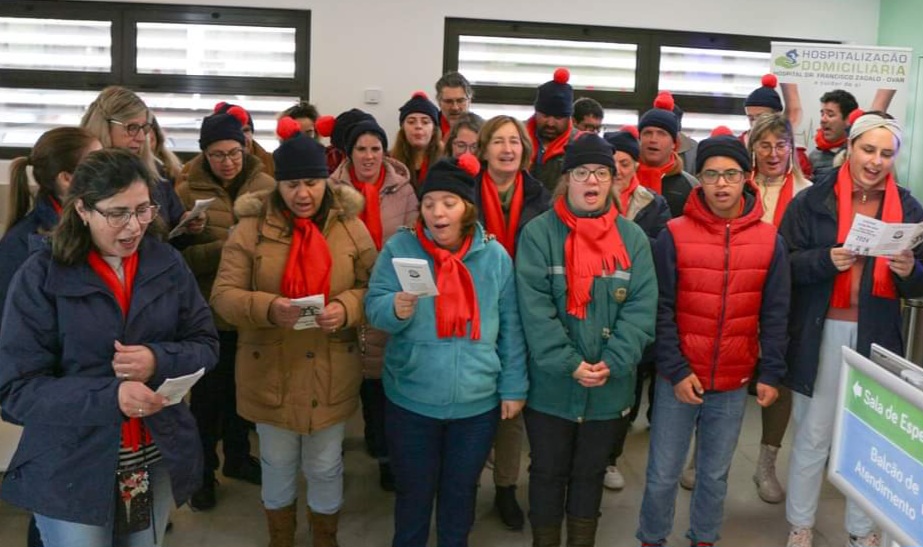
(396, 173)
(347, 202)
(698, 210)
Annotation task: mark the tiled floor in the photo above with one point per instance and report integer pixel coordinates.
(366, 519)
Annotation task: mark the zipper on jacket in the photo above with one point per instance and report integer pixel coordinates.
(724, 297)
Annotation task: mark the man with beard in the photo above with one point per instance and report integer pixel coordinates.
(551, 129)
(835, 108)
(661, 168)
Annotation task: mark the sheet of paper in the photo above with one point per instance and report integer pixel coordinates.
(415, 276)
(872, 237)
(175, 389)
(201, 205)
(311, 307)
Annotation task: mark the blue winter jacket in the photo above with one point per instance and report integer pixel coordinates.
(810, 228)
(23, 238)
(60, 324)
(449, 378)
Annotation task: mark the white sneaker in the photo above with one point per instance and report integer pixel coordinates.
(800, 536)
(614, 480)
(871, 540)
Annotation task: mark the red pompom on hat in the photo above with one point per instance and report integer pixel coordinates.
(419, 103)
(662, 115)
(287, 128)
(633, 130)
(469, 164)
(225, 108)
(324, 125)
(722, 130)
(419, 95)
(221, 106)
(664, 101)
(242, 116)
(561, 76)
(770, 80)
(854, 115)
(766, 95)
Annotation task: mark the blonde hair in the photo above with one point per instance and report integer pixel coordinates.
(775, 123)
(492, 125)
(117, 103)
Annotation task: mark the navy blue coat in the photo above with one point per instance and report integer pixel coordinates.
(56, 378)
(809, 227)
(19, 241)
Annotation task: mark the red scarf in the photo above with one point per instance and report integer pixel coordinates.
(786, 193)
(593, 246)
(307, 270)
(371, 213)
(882, 283)
(625, 194)
(652, 177)
(503, 229)
(555, 148)
(457, 302)
(824, 144)
(55, 205)
(445, 127)
(132, 435)
(421, 174)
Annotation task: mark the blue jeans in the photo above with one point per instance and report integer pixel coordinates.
(717, 423)
(439, 459)
(61, 533)
(320, 456)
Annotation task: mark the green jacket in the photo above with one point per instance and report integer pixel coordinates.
(619, 322)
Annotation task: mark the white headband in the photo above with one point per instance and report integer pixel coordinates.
(867, 122)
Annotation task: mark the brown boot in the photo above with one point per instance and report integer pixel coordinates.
(581, 532)
(549, 536)
(324, 529)
(281, 526)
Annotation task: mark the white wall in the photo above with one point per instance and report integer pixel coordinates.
(396, 45)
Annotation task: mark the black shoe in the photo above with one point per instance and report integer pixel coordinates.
(204, 498)
(248, 469)
(508, 507)
(385, 477)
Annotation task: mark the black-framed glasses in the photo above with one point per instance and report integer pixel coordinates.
(219, 157)
(730, 176)
(582, 174)
(589, 127)
(119, 218)
(133, 128)
(462, 147)
(766, 148)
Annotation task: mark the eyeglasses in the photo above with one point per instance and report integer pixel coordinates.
(730, 176)
(462, 147)
(589, 127)
(454, 102)
(219, 157)
(766, 148)
(119, 218)
(582, 174)
(133, 128)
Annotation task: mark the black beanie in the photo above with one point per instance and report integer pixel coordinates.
(455, 175)
(624, 141)
(556, 98)
(766, 95)
(727, 146)
(363, 127)
(588, 148)
(222, 108)
(220, 127)
(419, 103)
(298, 156)
(339, 136)
(661, 115)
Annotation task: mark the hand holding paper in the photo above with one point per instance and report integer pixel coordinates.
(201, 205)
(415, 276)
(872, 237)
(174, 389)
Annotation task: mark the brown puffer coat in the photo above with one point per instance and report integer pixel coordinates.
(399, 207)
(204, 252)
(300, 380)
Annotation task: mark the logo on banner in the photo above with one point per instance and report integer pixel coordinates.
(789, 60)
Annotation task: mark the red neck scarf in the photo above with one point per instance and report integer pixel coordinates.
(593, 246)
(503, 229)
(625, 194)
(371, 213)
(457, 302)
(307, 270)
(824, 144)
(882, 283)
(555, 148)
(134, 436)
(445, 127)
(421, 173)
(652, 177)
(786, 193)
(55, 204)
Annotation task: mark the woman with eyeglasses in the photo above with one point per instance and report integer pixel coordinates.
(93, 325)
(120, 119)
(778, 177)
(588, 299)
(223, 171)
(419, 141)
(463, 137)
(298, 361)
(390, 202)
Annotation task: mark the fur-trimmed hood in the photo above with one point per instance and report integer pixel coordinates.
(347, 202)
